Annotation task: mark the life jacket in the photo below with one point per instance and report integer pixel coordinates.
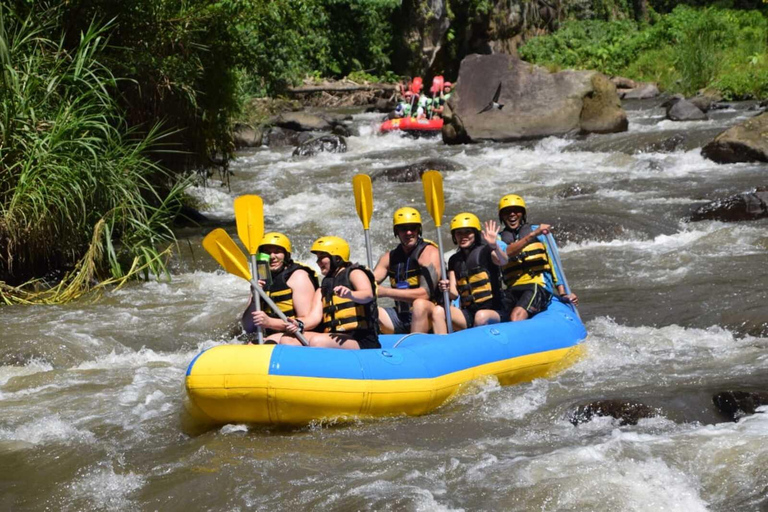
(281, 293)
(529, 266)
(477, 281)
(344, 315)
(405, 268)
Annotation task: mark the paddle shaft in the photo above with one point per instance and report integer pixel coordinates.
(256, 297)
(444, 275)
(556, 255)
(260, 293)
(368, 250)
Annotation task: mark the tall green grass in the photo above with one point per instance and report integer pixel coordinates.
(69, 163)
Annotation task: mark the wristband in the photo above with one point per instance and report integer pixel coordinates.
(301, 325)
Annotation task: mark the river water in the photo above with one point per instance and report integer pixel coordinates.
(91, 393)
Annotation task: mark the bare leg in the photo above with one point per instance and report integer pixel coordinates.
(332, 340)
(487, 316)
(438, 320)
(385, 322)
(422, 315)
(518, 314)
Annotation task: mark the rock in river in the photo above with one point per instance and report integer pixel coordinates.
(326, 143)
(502, 98)
(412, 172)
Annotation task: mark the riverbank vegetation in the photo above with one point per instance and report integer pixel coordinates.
(108, 110)
(684, 51)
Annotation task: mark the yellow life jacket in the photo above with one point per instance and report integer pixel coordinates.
(529, 266)
(344, 315)
(281, 293)
(405, 269)
(477, 279)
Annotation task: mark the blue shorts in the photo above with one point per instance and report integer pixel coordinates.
(400, 321)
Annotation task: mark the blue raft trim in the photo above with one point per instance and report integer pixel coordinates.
(424, 356)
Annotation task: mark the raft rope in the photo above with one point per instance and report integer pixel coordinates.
(403, 338)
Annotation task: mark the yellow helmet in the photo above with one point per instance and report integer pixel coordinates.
(277, 239)
(511, 200)
(466, 220)
(406, 215)
(333, 245)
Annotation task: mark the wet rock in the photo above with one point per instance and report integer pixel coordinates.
(576, 189)
(246, 136)
(334, 118)
(326, 143)
(744, 142)
(602, 108)
(737, 404)
(706, 100)
(640, 92)
(383, 106)
(684, 110)
(342, 130)
(623, 83)
(628, 413)
(412, 172)
(303, 122)
(502, 98)
(279, 137)
(747, 206)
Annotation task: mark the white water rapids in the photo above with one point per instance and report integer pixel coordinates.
(91, 393)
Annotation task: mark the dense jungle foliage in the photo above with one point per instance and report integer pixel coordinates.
(684, 51)
(107, 108)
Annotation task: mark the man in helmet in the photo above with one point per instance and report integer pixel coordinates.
(529, 275)
(412, 268)
(473, 275)
(292, 286)
(348, 315)
(439, 103)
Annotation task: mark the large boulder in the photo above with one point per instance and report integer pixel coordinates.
(326, 143)
(412, 172)
(502, 98)
(745, 142)
(246, 136)
(640, 92)
(681, 109)
(746, 206)
(303, 122)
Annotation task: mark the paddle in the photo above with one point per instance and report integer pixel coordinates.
(249, 216)
(437, 86)
(556, 256)
(433, 195)
(361, 185)
(226, 252)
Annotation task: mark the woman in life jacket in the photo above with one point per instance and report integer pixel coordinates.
(346, 310)
(412, 268)
(292, 286)
(529, 275)
(473, 276)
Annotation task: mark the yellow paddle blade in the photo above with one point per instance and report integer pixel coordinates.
(224, 250)
(249, 215)
(361, 184)
(433, 195)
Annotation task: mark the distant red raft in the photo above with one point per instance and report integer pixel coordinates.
(408, 124)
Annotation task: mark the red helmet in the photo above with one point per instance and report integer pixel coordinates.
(447, 84)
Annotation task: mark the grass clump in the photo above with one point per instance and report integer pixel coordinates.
(684, 51)
(76, 186)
